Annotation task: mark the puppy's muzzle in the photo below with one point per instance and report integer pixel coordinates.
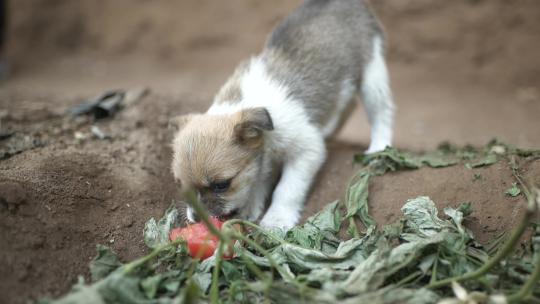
(192, 216)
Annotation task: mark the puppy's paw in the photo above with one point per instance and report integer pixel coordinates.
(376, 148)
(282, 221)
(190, 215)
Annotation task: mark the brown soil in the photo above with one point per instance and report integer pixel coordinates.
(463, 71)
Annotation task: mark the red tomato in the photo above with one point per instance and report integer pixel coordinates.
(201, 243)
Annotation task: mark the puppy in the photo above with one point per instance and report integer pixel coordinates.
(263, 138)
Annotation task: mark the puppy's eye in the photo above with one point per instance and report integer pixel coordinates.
(220, 187)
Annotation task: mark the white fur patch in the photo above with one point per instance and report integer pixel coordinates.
(377, 98)
(258, 90)
(190, 214)
(298, 173)
(290, 119)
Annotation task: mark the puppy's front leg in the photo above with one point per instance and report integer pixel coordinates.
(290, 193)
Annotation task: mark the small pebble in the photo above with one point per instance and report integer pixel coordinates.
(79, 135)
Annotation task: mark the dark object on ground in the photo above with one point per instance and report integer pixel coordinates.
(5, 135)
(103, 106)
(108, 103)
(18, 143)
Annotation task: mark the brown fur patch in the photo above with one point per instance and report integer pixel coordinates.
(253, 122)
(206, 150)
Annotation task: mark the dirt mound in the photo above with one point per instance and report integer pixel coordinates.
(58, 202)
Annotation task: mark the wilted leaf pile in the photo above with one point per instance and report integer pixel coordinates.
(414, 260)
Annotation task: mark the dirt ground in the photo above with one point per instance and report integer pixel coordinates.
(463, 71)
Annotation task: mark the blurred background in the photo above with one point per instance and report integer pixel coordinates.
(462, 71)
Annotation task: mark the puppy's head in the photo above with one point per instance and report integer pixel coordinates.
(219, 157)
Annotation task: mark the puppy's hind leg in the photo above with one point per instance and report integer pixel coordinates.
(377, 98)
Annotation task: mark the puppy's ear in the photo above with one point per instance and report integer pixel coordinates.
(253, 122)
(178, 122)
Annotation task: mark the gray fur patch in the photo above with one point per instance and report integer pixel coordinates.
(231, 91)
(318, 47)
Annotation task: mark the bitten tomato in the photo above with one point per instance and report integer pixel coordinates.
(200, 242)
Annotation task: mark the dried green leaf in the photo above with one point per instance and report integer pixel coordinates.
(119, 288)
(233, 271)
(80, 294)
(329, 219)
(357, 200)
(371, 273)
(157, 234)
(391, 295)
(395, 159)
(457, 218)
(347, 255)
(150, 285)
(437, 159)
(427, 262)
(486, 160)
(115, 288)
(465, 208)
(422, 218)
(454, 256)
(513, 191)
(203, 274)
(203, 280)
(104, 263)
(190, 294)
(322, 226)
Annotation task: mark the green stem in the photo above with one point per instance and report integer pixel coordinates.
(254, 226)
(266, 254)
(526, 190)
(506, 249)
(214, 289)
(487, 285)
(259, 274)
(353, 228)
(411, 277)
(435, 266)
(526, 291)
(255, 269)
(143, 260)
(194, 263)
